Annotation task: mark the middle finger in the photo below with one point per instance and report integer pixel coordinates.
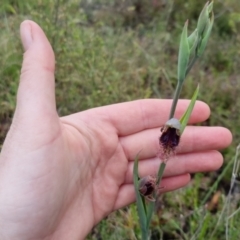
(194, 139)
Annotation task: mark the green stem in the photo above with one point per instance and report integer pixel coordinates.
(150, 211)
(175, 98)
(145, 235)
(179, 87)
(160, 173)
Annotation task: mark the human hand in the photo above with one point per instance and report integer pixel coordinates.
(60, 176)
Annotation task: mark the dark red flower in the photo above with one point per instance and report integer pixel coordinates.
(170, 137)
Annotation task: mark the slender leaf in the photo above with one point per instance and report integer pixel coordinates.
(184, 119)
(160, 173)
(150, 210)
(139, 199)
(193, 50)
(183, 59)
(192, 38)
(183, 56)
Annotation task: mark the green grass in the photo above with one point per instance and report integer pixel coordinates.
(109, 52)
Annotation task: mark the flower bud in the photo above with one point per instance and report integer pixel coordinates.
(203, 20)
(206, 36)
(204, 26)
(147, 187)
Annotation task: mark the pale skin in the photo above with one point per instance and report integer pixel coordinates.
(60, 176)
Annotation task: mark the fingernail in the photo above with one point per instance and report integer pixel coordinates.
(26, 34)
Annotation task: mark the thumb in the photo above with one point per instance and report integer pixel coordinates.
(36, 93)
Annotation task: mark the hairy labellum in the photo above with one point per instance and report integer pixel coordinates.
(170, 137)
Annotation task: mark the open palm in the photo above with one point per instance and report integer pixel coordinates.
(60, 176)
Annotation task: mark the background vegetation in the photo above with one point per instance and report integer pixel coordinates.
(110, 51)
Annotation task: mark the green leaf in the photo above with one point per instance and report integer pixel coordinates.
(192, 38)
(193, 46)
(160, 173)
(139, 199)
(150, 210)
(184, 119)
(183, 56)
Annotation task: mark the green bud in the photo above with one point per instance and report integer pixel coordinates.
(206, 36)
(210, 7)
(183, 56)
(203, 20)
